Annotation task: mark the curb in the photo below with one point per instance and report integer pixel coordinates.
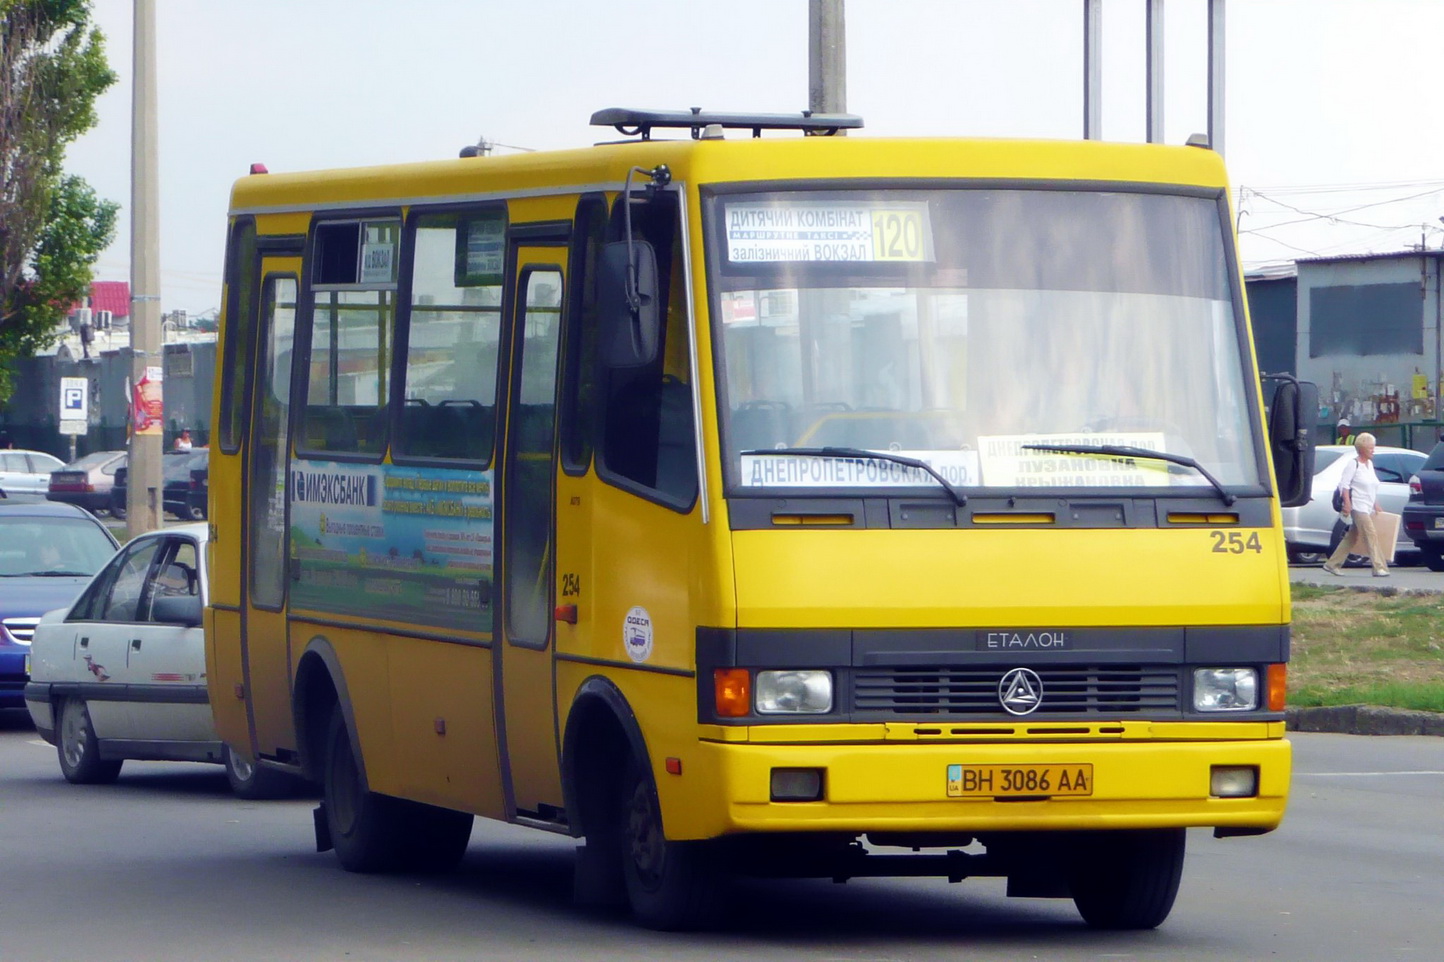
(1365, 720)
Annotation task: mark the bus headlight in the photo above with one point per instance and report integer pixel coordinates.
(794, 692)
(1225, 689)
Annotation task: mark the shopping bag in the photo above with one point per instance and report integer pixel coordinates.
(1386, 529)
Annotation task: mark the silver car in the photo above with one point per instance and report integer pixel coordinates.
(1307, 529)
(26, 474)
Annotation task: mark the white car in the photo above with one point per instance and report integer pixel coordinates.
(26, 474)
(121, 673)
(1307, 529)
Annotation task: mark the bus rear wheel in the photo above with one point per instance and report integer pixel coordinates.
(670, 885)
(372, 832)
(1127, 879)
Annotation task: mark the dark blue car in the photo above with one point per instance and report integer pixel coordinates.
(48, 551)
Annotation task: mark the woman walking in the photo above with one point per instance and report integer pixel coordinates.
(1360, 488)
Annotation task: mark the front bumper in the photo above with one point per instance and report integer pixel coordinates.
(902, 787)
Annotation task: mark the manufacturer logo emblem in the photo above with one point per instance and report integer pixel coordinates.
(1020, 691)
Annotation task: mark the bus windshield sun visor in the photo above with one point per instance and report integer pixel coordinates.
(1125, 451)
(862, 454)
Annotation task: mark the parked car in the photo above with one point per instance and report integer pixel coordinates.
(87, 481)
(25, 475)
(1423, 514)
(1307, 529)
(176, 469)
(121, 673)
(47, 552)
(200, 491)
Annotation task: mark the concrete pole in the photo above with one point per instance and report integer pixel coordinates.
(1155, 71)
(827, 57)
(144, 480)
(1216, 47)
(1092, 69)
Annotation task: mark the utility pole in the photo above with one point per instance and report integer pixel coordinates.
(827, 58)
(1092, 69)
(1216, 47)
(1154, 61)
(144, 505)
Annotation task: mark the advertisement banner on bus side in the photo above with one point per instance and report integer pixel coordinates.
(393, 543)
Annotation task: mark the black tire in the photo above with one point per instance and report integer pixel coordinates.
(75, 744)
(196, 512)
(1432, 557)
(117, 510)
(372, 832)
(1127, 879)
(250, 781)
(671, 885)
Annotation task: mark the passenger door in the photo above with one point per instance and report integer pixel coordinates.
(526, 678)
(265, 644)
(104, 629)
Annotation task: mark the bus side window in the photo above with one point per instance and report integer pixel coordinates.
(647, 433)
(452, 335)
(353, 280)
(239, 332)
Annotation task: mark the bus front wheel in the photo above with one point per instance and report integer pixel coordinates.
(1127, 879)
(372, 832)
(670, 885)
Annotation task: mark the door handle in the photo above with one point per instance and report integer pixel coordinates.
(135, 644)
(85, 642)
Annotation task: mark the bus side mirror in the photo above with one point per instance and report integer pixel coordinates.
(631, 317)
(1291, 408)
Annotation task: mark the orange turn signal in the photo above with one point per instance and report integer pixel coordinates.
(1278, 686)
(733, 687)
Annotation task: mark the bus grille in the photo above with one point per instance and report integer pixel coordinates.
(1091, 689)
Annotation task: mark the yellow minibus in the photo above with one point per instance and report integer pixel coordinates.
(756, 500)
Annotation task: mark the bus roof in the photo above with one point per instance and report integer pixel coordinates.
(738, 159)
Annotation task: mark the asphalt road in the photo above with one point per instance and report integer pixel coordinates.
(166, 865)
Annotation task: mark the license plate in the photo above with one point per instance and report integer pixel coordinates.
(1439, 522)
(1004, 781)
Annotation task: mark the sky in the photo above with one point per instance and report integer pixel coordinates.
(1334, 127)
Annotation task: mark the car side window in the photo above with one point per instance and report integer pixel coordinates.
(126, 597)
(91, 604)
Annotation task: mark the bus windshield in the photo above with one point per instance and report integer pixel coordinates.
(972, 328)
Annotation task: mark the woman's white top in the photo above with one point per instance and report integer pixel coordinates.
(1362, 483)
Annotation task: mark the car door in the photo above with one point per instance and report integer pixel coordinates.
(103, 627)
(165, 658)
(14, 472)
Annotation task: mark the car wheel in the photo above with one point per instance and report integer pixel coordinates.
(1127, 879)
(251, 781)
(670, 885)
(117, 511)
(196, 514)
(80, 760)
(1300, 556)
(372, 832)
(1433, 557)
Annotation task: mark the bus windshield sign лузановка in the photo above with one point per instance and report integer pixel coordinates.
(745, 504)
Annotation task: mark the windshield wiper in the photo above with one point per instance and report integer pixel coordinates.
(52, 574)
(1126, 451)
(855, 453)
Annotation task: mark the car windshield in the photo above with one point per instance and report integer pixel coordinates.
(34, 546)
(964, 327)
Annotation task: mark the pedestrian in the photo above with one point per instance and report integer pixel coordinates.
(183, 443)
(1360, 489)
(1343, 432)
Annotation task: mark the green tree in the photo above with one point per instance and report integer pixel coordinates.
(52, 226)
